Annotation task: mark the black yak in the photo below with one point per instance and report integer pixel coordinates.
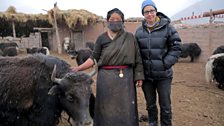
(90, 45)
(32, 95)
(219, 49)
(214, 69)
(81, 55)
(68, 46)
(9, 49)
(190, 49)
(7, 44)
(1, 53)
(33, 50)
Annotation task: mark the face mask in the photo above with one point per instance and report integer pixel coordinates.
(115, 26)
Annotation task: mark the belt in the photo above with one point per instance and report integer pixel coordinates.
(121, 74)
(114, 67)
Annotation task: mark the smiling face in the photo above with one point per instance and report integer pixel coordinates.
(149, 13)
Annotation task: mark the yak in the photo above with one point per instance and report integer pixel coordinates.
(190, 49)
(68, 46)
(9, 49)
(90, 45)
(219, 49)
(1, 53)
(81, 55)
(214, 69)
(33, 50)
(32, 95)
(8, 44)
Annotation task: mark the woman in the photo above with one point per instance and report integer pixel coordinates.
(159, 45)
(120, 65)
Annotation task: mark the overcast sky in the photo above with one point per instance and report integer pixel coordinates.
(131, 8)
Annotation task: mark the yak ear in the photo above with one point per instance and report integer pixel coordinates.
(54, 90)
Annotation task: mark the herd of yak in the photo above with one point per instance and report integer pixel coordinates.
(214, 67)
(35, 89)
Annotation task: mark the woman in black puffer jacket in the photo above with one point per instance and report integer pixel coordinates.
(159, 45)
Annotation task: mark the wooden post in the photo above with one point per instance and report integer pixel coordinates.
(210, 32)
(211, 17)
(13, 29)
(59, 48)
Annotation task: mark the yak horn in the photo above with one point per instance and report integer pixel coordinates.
(92, 73)
(53, 76)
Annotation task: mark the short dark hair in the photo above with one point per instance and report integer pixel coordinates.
(115, 10)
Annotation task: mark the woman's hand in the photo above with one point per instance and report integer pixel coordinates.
(139, 83)
(75, 69)
(87, 64)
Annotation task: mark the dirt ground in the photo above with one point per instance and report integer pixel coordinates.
(194, 101)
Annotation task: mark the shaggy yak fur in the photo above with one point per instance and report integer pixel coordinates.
(219, 49)
(28, 96)
(8, 49)
(190, 49)
(214, 69)
(7, 44)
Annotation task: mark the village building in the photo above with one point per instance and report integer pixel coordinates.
(38, 30)
(80, 26)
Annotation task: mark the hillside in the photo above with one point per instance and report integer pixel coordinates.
(199, 8)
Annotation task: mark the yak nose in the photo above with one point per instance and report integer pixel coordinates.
(87, 123)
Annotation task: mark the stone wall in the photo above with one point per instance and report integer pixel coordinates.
(34, 40)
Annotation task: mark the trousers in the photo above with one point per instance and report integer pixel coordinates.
(161, 87)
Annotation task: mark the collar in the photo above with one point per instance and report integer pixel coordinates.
(151, 27)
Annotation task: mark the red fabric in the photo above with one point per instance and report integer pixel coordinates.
(114, 67)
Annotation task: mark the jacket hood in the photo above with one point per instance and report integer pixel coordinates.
(163, 17)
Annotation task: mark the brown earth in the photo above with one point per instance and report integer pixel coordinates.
(194, 101)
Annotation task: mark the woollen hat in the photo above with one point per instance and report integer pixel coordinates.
(148, 3)
(115, 10)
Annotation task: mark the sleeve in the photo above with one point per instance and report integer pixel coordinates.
(174, 47)
(97, 50)
(138, 69)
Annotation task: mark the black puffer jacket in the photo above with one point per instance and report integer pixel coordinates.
(160, 48)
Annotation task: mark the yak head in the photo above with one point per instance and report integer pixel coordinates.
(73, 54)
(74, 91)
